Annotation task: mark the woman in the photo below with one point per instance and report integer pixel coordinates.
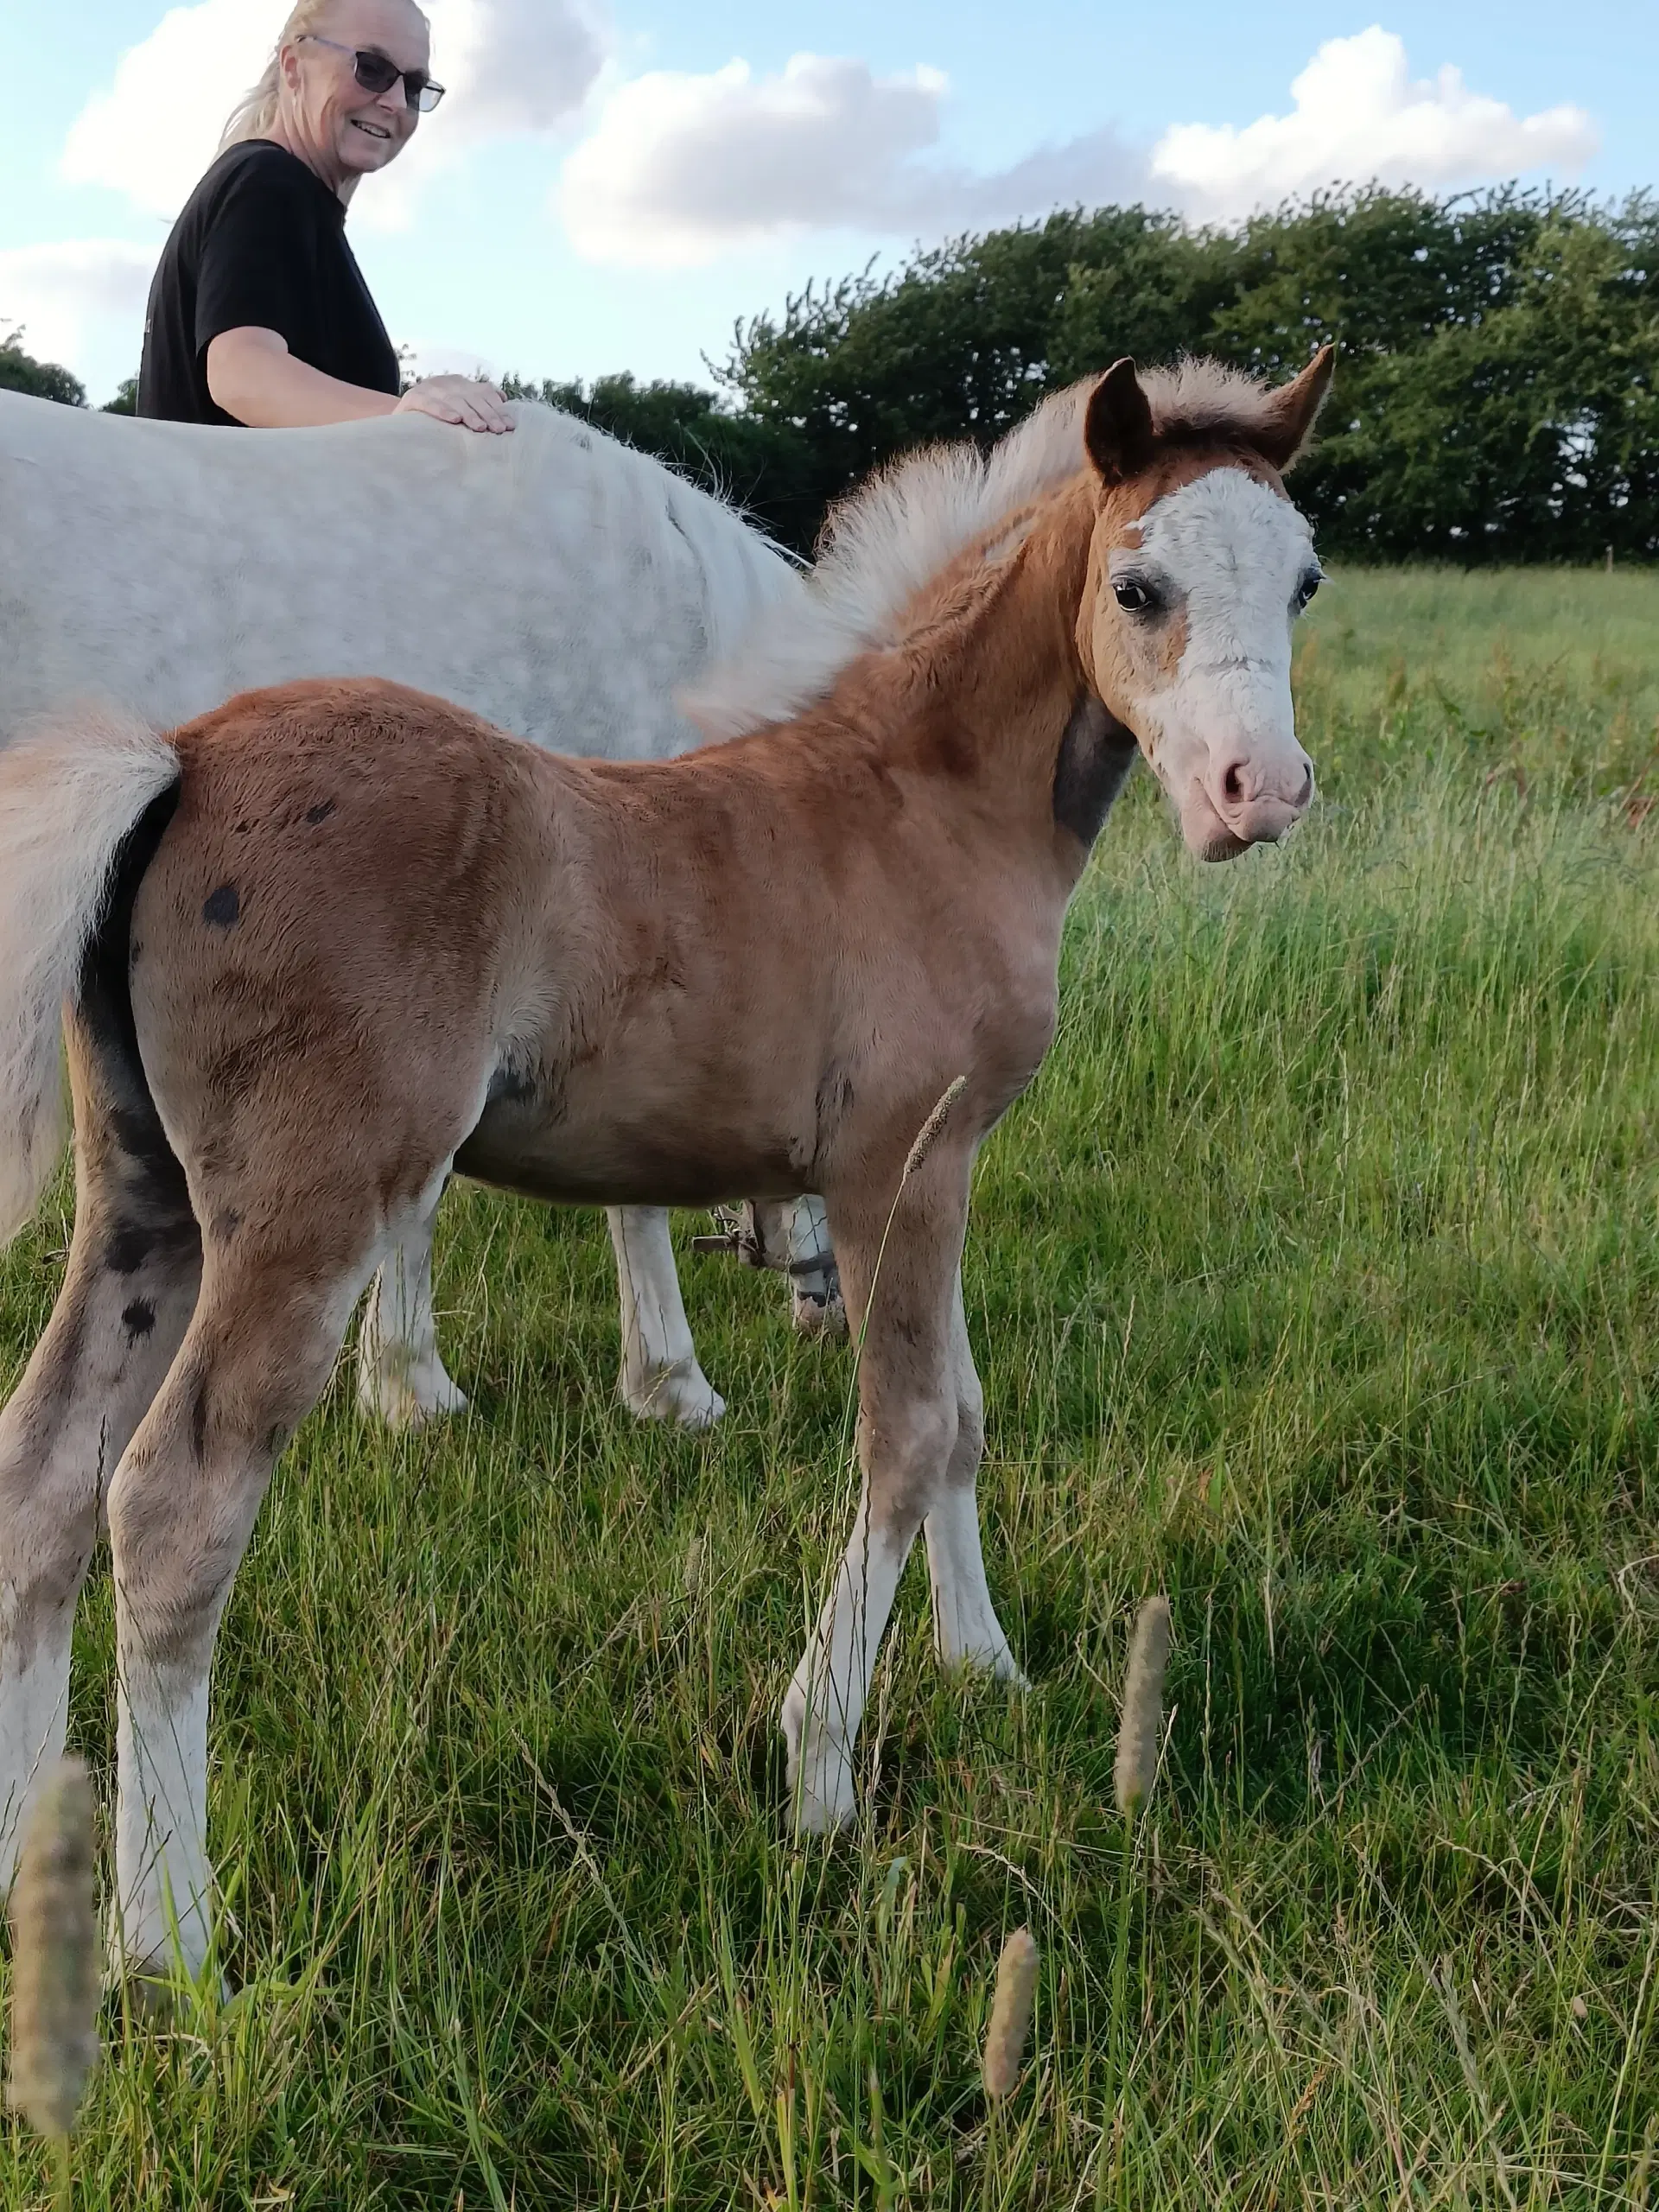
(258, 313)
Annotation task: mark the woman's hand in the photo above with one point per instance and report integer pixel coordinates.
(473, 405)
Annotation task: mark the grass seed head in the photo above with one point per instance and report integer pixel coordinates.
(933, 1127)
(1142, 1724)
(1005, 2039)
(54, 1973)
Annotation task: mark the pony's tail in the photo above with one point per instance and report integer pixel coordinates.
(70, 795)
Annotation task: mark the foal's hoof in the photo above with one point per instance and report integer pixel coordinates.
(409, 1399)
(683, 1394)
(822, 1797)
(816, 1315)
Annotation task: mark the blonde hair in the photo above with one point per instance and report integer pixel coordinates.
(255, 112)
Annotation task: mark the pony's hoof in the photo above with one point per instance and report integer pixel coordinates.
(819, 1316)
(682, 1395)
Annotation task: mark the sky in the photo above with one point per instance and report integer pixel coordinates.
(612, 184)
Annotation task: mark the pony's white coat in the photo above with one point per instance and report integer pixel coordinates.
(555, 581)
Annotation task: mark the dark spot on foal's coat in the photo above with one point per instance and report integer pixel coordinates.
(222, 905)
(139, 1320)
(512, 1082)
(129, 1246)
(199, 1422)
(1096, 753)
(319, 812)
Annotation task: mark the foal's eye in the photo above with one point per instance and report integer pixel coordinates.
(1308, 585)
(1132, 595)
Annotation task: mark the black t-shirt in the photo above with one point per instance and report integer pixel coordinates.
(260, 241)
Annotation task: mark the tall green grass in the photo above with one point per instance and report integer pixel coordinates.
(1316, 1282)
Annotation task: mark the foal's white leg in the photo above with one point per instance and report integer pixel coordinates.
(399, 1373)
(661, 1379)
(182, 1507)
(907, 1438)
(826, 1699)
(966, 1630)
(126, 1298)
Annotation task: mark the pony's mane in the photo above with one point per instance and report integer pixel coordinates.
(883, 543)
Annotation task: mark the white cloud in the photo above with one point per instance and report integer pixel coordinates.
(1357, 115)
(510, 67)
(680, 168)
(155, 129)
(69, 295)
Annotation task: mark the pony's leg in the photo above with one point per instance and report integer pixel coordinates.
(814, 1285)
(400, 1375)
(128, 1291)
(272, 1314)
(966, 1630)
(907, 1432)
(661, 1379)
(792, 1237)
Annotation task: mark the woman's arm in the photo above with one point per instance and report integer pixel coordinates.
(252, 376)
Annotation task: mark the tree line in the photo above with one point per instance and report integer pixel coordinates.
(1497, 393)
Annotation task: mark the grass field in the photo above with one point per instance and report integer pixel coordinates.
(1316, 1283)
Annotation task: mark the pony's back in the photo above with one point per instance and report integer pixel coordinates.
(556, 581)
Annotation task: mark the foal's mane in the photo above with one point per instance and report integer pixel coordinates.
(884, 544)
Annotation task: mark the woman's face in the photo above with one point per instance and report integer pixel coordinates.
(345, 132)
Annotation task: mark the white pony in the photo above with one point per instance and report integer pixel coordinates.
(555, 581)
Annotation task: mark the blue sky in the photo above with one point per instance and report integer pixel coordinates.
(613, 183)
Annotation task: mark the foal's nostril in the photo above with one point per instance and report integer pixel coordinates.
(1232, 786)
(1306, 791)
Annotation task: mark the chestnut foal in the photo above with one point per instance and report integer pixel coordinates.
(336, 939)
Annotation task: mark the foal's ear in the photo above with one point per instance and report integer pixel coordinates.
(1286, 421)
(1117, 432)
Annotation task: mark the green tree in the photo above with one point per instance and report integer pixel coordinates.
(1495, 396)
(21, 371)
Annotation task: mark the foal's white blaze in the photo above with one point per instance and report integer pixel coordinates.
(1234, 556)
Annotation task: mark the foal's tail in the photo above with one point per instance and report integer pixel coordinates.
(70, 795)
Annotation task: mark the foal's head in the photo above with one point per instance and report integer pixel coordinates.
(1199, 568)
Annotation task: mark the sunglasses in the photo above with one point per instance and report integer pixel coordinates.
(377, 75)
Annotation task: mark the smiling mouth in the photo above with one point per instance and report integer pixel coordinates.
(371, 129)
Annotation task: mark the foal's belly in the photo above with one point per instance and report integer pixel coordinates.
(674, 1156)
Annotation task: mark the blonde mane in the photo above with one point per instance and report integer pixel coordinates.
(883, 543)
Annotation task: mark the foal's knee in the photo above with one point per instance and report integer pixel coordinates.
(50, 1529)
(911, 1450)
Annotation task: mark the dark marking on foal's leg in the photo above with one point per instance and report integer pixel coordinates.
(1096, 753)
(199, 1422)
(222, 907)
(319, 812)
(130, 1245)
(138, 1319)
